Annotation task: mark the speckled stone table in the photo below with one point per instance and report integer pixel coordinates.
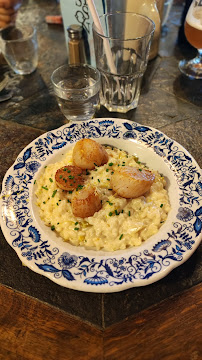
(168, 102)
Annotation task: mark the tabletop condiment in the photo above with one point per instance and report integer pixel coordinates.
(76, 45)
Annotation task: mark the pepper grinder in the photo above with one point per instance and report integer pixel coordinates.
(76, 45)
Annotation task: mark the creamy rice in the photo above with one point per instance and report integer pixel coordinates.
(120, 223)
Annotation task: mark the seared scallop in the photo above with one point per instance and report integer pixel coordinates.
(69, 177)
(86, 202)
(130, 182)
(87, 154)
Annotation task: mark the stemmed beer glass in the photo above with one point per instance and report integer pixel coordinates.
(193, 33)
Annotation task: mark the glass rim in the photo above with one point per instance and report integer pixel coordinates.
(19, 27)
(121, 13)
(76, 66)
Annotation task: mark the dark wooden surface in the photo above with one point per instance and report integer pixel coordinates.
(32, 330)
(38, 318)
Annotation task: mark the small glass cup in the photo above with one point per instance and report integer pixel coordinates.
(19, 47)
(77, 90)
(122, 51)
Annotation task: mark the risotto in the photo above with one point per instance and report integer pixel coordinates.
(120, 223)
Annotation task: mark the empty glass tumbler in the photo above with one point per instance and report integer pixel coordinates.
(122, 51)
(19, 47)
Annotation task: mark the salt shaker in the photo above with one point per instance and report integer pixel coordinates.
(76, 45)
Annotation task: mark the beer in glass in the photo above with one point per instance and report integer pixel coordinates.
(193, 33)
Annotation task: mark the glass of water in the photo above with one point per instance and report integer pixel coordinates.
(122, 49)
(77, 90)
(19, 47)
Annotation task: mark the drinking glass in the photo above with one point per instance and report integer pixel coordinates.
(193, 32)
(122, 50)
(77, 90)
(19, 47)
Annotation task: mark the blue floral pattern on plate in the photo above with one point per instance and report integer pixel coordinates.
(98, 271)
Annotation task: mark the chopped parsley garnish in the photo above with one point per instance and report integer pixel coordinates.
(161, 205)
(71, 177)
(68, 201)
(111, 164)
(108, 179)
(140, 169)
(60, 176)
(52, 227)
(87, 172)
(44, 202)
(70, 191)
(110, 203)
(79, 187)
(44, 187)
(121, 236)
(51, 180)
(76, 223)
(116, 212)
(76, 228)
(98, 180)
(68, 171)
(34, 182)
(110, 213)
(129, 213)
(54, 192)
(107, 170)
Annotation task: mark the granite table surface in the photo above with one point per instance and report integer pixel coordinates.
(168, 102)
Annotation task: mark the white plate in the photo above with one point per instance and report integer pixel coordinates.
(97, 271)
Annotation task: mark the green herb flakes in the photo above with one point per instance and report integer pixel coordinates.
(53, 194)
(120, 236)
